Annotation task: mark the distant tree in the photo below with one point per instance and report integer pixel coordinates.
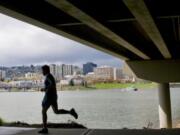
(71, 82)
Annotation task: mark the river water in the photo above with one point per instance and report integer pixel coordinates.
(96, 108)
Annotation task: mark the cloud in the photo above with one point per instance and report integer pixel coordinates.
(24, 44)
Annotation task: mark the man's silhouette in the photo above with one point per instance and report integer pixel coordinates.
(50, 98)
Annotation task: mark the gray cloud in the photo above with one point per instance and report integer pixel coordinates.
(24, 44)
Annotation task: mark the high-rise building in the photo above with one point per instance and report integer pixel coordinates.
(88, 67)
(118, 75)
(59, 72)
(2, 74)
(53, 69)
(67, 70)
(104, 73)
(56, 71)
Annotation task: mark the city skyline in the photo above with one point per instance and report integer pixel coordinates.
(24, 44)
(41, 64)
(90, 71)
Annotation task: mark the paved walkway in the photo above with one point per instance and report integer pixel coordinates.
(33, 131)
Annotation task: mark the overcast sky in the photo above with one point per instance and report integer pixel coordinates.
(24, 44)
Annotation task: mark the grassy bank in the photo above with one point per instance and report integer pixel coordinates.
(102, 86)
(69, 124)
(1, 122)
(112, 86)
(76, 88)
(125, 85)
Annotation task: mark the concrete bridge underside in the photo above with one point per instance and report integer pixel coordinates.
(144, 33)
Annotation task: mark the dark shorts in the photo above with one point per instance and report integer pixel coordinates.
(47, 102)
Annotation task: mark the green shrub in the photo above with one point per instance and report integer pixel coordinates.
(1, 122)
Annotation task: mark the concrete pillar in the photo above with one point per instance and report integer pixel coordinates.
(164, 106)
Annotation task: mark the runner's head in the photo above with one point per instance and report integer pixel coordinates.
(45, 69)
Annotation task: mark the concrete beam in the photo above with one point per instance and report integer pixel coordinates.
(117, 21)
(47, 27)
(75, 12)
(162, 71)
(140, 11)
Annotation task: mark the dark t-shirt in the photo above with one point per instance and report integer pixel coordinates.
(50, 87)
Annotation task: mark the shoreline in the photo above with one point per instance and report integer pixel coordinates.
(97, 86)
(69, 124)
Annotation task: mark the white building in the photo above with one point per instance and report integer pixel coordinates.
(90, 75)
(59, 74)
(74, 79)
(56, 71)
(60, 71)
(64, 82)
(67, 70)
(118, 75)
(33, 76)
(22, 84)
(53, 69)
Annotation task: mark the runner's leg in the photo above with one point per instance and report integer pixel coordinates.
(62, 111)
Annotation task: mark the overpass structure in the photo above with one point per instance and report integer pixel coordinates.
(144, 33)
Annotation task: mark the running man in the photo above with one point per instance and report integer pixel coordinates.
(50, 99)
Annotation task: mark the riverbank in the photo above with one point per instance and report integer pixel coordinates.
(125, 85)
(111, 86)
(96, 86)
(69, 124)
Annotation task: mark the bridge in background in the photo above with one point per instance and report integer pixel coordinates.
(144, 33)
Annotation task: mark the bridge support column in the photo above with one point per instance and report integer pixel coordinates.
(165, 118)
(159, 71)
